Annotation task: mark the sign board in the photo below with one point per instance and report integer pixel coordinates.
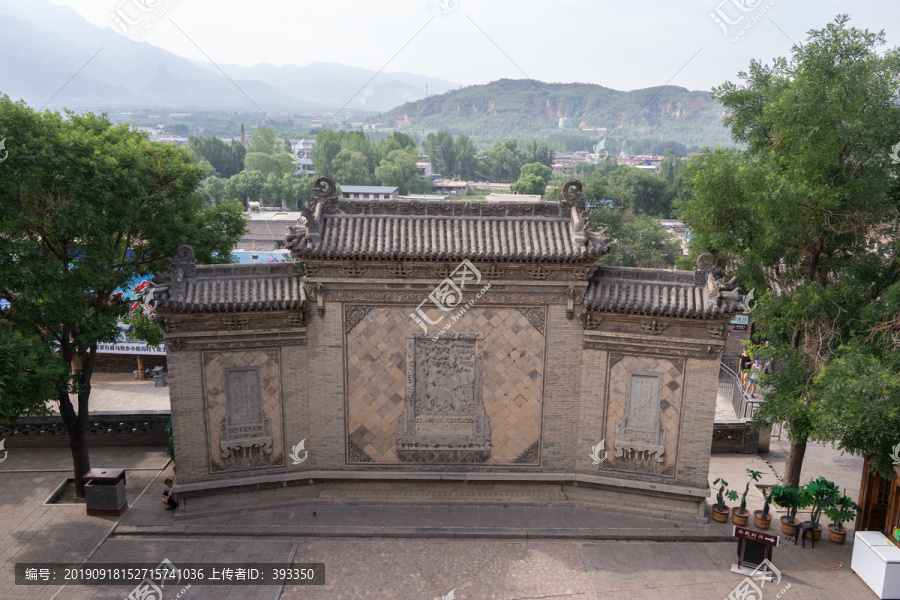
(739, 328)
(756, 536)
(754, 547)
(740, 320)
(131, 348)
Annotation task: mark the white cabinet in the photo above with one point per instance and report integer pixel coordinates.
(877, 562)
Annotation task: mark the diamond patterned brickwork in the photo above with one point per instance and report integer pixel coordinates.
(215, 365)
(670, 409)
(512, 379)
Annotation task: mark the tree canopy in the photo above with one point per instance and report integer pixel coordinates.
(86, 207)
(808, 213)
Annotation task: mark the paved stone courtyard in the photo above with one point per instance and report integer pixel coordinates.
(602, 556)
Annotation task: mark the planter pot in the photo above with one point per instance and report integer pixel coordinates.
(720, 517)
(788, 529)
(740, 518)
(838, 537)
(759, 522)
(815, 534)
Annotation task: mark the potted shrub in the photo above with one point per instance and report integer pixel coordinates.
(761, 518)
(820, 493)
(740, 515)
(720, 511)
(791, 499)
(840, 511)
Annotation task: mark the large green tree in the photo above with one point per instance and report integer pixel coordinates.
(227, 160)
(399, 169)
(807, 214)
(442, 153)
(85, 208)
(533, 179)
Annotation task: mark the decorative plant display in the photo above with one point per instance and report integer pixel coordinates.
(822, 493)
(761, 518)
(740, 516)
(754, 476)
(720, 511)
(791, 499)
(764, 513)
(840, 511)
(722, 494)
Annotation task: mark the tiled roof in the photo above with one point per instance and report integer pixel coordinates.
(659, 292)
(440, 230)
(369, 189)
(187, 287)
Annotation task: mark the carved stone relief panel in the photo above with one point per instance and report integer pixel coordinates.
(512, 367)
(639, 435)
(643, 414)
(245, 432)
(242, 396)
(444, 419)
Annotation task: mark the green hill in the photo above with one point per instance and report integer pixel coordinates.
(513, 108)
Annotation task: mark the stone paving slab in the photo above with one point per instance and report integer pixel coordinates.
(430, 569)
(31, 531)
(122, 393)
(60, 459)
(180, 551)
(394, 567)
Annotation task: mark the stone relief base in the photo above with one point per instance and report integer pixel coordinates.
(276, 491)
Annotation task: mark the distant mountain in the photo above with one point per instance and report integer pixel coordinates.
(45, 44)
(335, 85)
(516, 108)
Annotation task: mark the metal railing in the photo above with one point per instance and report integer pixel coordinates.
(730, 388)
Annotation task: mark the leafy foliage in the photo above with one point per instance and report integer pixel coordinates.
(791, 498)
(85, 208)
(226, 160)
(533, 179)
(805, 211)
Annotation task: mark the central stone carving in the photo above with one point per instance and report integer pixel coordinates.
(245, 432)
(641, 436)
(444, 419)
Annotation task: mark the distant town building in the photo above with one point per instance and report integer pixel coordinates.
(566, 123)
(452, 188)
(677, 229)
(316, 123)
(302, 147)
(169, 139)
(424, 169)
(369, 192)
(266, 229)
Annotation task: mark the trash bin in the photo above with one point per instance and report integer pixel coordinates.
(159, 380)
(104, 492)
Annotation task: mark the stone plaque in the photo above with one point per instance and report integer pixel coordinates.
(444, 425)
(444, 418)
(641, 436)
(245, 437)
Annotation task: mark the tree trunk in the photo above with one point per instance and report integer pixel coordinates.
(76, 428)
(76, 424)
(794, 463)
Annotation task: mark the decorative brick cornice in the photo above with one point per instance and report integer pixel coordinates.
(637, 344)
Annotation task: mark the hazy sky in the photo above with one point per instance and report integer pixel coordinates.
(621, 44)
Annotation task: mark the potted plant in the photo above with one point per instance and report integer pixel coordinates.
(740, 515)
(761, 518)
(840, 511)
(791, 499)
(720, 511)
(820, 493)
